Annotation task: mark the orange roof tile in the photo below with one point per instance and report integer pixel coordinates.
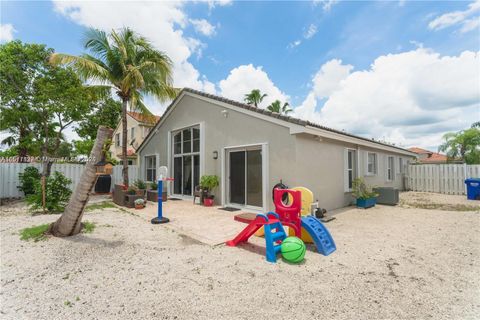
(144, 118)
(433, 157)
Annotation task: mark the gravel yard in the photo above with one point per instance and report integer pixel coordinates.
(390, 263)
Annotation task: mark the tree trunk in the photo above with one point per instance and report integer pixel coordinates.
(70, 222)
(124, 142)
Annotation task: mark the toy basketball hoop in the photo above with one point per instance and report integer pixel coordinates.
(162, 176)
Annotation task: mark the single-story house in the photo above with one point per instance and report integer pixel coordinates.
(252, 149)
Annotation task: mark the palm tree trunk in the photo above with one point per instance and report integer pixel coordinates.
(124, 142)
(70, 222)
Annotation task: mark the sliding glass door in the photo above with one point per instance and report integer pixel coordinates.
(186, 160)
(245, 177)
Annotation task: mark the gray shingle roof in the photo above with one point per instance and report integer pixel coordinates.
(270, 114)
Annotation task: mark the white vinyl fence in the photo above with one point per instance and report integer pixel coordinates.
(440, 178)
(9, 180)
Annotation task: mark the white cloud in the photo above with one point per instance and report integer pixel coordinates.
(411, 98)
(294, 44)
(329, 78)
(244, 79)
(6, 32)
(160, 22)
(203, 26)
(457, 17)
(470, 24)
(311, 31)
(326, 4)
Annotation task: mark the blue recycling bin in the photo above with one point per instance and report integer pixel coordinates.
(473, 188)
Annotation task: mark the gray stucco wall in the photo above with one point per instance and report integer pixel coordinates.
(299, 160)
(234, 130)
(320, 167)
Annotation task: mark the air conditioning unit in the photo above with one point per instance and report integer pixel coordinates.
(387, 195)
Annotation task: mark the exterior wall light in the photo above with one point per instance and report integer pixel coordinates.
(215, 155)
(225, 113)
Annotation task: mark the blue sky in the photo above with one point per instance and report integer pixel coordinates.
(282, 48)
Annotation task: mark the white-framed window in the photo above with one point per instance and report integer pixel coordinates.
(401, 166)
(132, 133)
(150, 168)
(372, 163)
(117, 139)
(390, 168)
(186, 160)
(350, 168)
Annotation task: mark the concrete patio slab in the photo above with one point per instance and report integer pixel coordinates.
(208, 225)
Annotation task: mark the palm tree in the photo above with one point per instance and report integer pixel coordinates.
(255, 97)
(127, 63)
(70, 222)
(277, 107)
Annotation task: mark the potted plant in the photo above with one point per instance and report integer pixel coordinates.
(131, 196)
(366, 197)
(131, 191)
(152, 193)
(141, 187)
(139, 204)
(208, 183)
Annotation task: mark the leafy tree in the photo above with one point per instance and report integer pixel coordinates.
(127, 63)
(20, 68)
(463, 145)
(255, 97)
(105, 112)
(277, 107)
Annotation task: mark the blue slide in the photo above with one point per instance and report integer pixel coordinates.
(320, 235)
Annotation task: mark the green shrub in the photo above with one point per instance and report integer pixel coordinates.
(27, 179)
(140, 184)
(131, 190)
(56, 196)
(361, 191)
(153, 186)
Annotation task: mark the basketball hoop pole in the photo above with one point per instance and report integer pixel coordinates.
(160, 218)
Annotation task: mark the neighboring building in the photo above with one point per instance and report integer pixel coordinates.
(429, 157)
(138, 127)
(252, 149)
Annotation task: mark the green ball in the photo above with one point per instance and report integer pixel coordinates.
(293, 249)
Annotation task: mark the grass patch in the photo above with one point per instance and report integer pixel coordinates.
(35, 233)
(88, 227)
(100, 205)
(440, 206)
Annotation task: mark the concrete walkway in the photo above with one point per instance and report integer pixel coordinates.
(208, 225)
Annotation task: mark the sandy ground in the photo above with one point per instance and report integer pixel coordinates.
(391, 263)
(440, 201)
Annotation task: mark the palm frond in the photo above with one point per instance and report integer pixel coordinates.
(97, 42)
(85, 66)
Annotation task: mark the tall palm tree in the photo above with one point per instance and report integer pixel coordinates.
(127, 63)
(70, 222)
(277, 107)
(255, 97)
